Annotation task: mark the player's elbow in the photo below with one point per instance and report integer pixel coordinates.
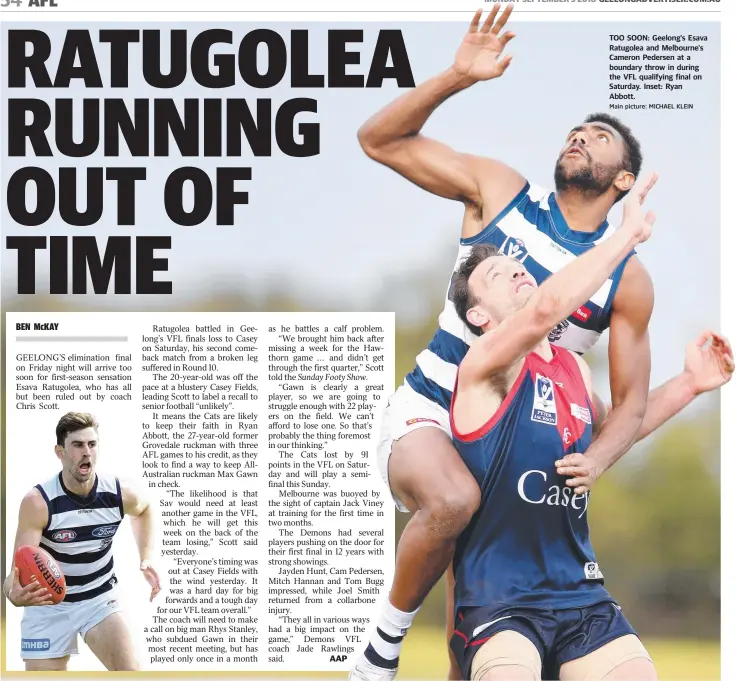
(379, 144)
(368, 140)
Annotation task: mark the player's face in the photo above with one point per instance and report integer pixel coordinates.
(591, 159)
(501, 286)
(79, 454)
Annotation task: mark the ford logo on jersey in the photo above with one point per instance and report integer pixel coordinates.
(64, 535)
(106, 531)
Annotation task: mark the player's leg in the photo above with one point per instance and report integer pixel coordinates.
(112, 644)
(623, 659)
(506, 656)
(426, 476)
(429, 477)
(455, 674)
(54, 664)
(48, 638)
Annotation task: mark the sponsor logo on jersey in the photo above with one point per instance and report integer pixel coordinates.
(592, 571)
(557, 332)
(555, 495)
(64, 535)
(53, 569)
(35, 643)
(105, 531)
(544, 409)
(582, 313)
(514, 248)
(582, 413)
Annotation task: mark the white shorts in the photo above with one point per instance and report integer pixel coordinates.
(406, 411)
(50, 631)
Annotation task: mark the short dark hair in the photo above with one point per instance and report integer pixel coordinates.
(632, 149)
(72, 422)
(460, 293)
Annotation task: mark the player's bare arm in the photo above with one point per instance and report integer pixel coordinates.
(32, 518)
(630, 361)
(393, 135)
(709, 364)
(138, 508)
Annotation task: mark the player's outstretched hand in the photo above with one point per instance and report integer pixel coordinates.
(25, 596)
(582, 469)
(479, 56)
(708, 365)
(151, 577)
(635, 220)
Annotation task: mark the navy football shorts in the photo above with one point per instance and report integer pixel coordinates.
(558, 635)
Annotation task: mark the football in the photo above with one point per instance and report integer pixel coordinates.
(33, 561)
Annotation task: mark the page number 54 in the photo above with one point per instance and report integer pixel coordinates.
(31, 3)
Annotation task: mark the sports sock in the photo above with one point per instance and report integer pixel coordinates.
(385, 642)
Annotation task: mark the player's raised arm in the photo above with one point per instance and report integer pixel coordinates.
(141, 521)
(32, 518)
(392, 136)
(560, 295)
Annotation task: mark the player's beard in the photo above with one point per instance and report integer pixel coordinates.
(592, 180)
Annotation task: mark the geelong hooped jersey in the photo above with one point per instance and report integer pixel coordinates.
(79, 534)
(533, 230)
(528, 544)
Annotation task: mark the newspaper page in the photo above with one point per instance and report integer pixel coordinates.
(367, 342)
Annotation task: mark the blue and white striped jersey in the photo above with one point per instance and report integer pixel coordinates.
(79, 534)
(532, 229)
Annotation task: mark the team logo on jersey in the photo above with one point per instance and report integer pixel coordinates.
(514, 248)
(582, 413)
(64, 535)
(592, 571)
(544, 409)
(105, 531)
(105, 543)
(557, 332)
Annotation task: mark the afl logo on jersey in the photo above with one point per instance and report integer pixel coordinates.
(544, 409)
(105, 531)
(514, 248)
(64, 535)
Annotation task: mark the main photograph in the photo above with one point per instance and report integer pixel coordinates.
(495, 438)
(540, 209)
